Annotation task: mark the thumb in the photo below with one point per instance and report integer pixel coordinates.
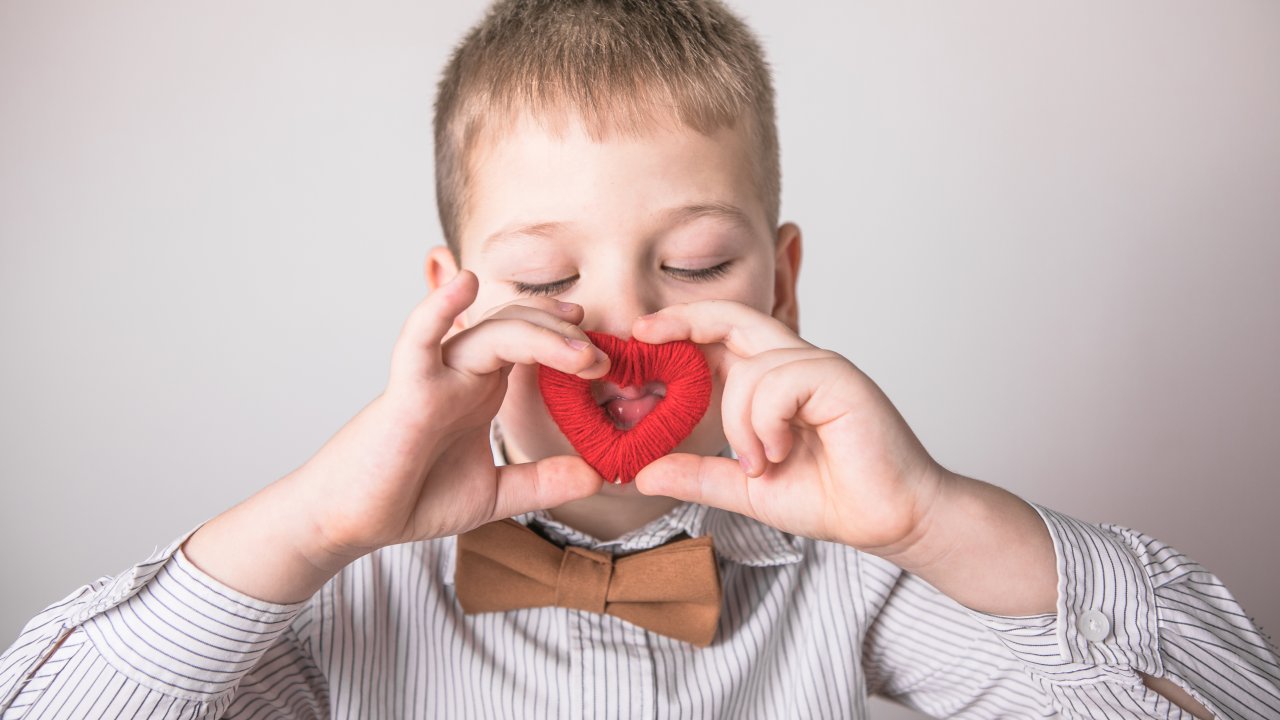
(715, 481)
(543, 484)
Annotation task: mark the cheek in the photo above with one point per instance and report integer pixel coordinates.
(752, 287)
(712, 419)
(522, 391)
(707, 437)
(524, 418)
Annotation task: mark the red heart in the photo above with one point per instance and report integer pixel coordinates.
(619, 454)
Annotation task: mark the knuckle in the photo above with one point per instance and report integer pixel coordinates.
(552, 341)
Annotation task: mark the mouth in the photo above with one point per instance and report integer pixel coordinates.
(627, 406)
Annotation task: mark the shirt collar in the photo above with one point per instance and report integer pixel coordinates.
(738, 538)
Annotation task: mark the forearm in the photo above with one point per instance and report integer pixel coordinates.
(985, 548)
(259, 547)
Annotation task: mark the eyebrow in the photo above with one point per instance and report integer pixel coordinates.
(681, 215)
(671, 219)
(533, 230)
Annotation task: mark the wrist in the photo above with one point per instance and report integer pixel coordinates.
(925, 542)
(984, 547)
(263, 548)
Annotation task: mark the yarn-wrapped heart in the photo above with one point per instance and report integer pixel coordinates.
(616, 453)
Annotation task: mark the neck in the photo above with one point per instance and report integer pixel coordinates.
(608, 517)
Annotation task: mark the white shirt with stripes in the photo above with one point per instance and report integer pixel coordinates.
(807, 630)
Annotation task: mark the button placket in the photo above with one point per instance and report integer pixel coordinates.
(583, 584)
(644, 680)
(578, 669)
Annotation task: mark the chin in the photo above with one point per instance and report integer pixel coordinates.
(627, 489)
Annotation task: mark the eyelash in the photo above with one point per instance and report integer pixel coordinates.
(559, 286)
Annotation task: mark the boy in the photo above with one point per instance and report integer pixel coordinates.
(613, 167)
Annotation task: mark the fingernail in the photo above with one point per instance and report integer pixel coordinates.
(565, 307)
(745, 463)
(576, 344)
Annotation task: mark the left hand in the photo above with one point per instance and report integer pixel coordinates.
(825, 454)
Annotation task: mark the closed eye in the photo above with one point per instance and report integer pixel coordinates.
(714, 271)
(559, 286)
(551, 288)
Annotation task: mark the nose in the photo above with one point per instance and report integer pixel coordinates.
(614, 306)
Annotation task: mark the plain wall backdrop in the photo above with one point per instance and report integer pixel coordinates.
(1050, 232)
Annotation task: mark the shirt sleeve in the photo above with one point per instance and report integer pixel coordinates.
(1127, 603)
(161, 640)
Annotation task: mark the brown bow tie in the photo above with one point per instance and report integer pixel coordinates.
(673, 589)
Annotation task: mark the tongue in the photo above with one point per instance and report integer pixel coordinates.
(626, 413)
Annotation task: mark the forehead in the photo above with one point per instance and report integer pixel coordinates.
(531, 174)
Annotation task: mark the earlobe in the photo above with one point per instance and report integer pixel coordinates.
(786, 304)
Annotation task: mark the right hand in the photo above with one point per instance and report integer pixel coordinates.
(416, 462)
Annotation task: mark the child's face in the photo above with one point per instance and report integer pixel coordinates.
(624, 227)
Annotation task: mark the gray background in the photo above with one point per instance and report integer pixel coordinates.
(1051, 233)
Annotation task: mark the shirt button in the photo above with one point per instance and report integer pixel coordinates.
(1093, 625)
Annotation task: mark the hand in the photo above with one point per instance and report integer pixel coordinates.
(823, 452)
(416, 462)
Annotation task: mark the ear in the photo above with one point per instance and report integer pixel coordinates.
(439, 269)
(786, 305)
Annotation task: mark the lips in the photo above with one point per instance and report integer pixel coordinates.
(652, 398)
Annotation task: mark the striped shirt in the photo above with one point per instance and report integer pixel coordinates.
(807, 630)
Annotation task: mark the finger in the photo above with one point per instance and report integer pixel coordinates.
(785, 395)
(499, 343)
(543, 484)
(550, 318)
(746, 381)
(778, 401)
(735, 415)
(743, 329)
(714, 481)
(567, 311)
(417, 348)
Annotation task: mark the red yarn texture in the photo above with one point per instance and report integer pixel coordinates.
(617, 453)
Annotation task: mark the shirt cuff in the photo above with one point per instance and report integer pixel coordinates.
(1106, 623)
(170, 626)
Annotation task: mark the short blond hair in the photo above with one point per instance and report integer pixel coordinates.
(619, 66)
